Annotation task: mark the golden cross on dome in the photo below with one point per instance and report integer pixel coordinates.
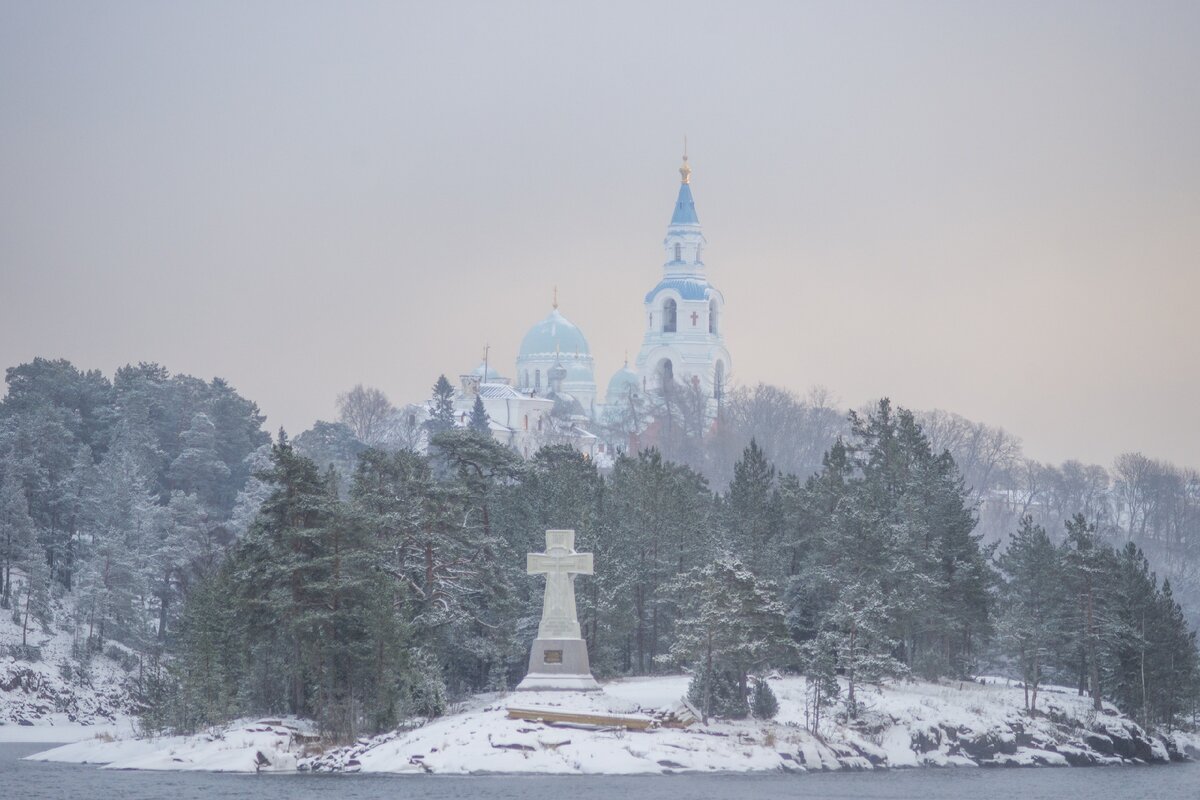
(685, 171)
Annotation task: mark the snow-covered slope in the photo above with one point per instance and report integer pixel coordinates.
(905, 725)
(53, 697)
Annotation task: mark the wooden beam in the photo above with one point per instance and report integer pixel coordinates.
(601, 720)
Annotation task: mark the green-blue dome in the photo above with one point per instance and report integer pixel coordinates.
(621, 384)
(553, 333)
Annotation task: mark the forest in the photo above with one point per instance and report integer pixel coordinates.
(360, 578)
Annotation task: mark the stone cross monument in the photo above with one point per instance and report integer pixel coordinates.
(559, 658)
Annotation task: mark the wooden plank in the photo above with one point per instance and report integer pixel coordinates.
(603, 720)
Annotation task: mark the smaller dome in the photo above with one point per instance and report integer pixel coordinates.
(487, 373)
(621, 385)
(553, 334)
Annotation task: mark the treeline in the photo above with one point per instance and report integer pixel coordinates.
(361, 608)
(360, 584)
(115, 491)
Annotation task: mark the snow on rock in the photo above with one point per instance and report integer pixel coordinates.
(266, 745)
(907, 724)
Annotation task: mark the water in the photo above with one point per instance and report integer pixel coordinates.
(25, 780)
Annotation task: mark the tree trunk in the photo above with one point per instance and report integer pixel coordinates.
(1093, 667)
(1036, 679)
(25, 621)
(708, 678)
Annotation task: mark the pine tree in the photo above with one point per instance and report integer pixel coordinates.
(1084, 558)
(198, 469)
(478, 421)
(18, 540)
(1032, 618)
(441, 407)
(752, 513)
(763, 703)
(819, 658)
(730, 622)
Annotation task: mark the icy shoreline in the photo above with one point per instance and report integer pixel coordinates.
(905, 725)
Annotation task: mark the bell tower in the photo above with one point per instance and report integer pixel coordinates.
(684, 341)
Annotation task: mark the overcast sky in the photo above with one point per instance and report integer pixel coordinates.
(991, 208)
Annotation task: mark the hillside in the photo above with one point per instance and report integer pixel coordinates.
(49, 695)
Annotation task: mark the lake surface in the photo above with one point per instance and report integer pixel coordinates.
(26, 780)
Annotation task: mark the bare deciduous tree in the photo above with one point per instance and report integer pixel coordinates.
(368, 412)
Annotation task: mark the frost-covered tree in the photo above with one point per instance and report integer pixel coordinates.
(120, 512)
(198, 469)
(18, 540)
(730, 622)
(753, 515)
(1033, 605)
(1085, 560)
(332, 445)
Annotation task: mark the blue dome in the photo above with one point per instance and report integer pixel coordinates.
(620, 384)
(554, 332)
(492, 375)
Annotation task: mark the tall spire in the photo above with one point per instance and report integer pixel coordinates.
(555, 303)
(685, 207)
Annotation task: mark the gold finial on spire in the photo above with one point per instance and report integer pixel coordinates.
(627, 358)
(685, 171)
(555, 303)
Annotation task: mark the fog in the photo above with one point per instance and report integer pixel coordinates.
(987, 209)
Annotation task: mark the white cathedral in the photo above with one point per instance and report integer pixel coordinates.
(553, 397)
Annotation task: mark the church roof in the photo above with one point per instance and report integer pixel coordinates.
(689, 288)
(553, 334)
(499, 391)
(685, 207)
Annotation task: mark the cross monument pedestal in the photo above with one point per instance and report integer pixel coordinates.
(559, 657)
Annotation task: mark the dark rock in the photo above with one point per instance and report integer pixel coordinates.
(1078, 757)
(926, 740)
(670, 764)
(1099, 742)
(987, 746)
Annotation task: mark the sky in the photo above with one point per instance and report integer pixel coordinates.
(989, 208)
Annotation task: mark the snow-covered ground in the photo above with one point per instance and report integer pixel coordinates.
(52, 698)
(904, 725)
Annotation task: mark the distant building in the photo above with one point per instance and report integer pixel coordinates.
(554, 397)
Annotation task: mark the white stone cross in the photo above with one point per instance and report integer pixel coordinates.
(560, 564)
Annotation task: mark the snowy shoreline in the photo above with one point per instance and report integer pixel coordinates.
(904, 725)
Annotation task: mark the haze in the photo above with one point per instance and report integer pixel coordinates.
(986, 208)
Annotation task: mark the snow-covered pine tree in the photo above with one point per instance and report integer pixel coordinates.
(729, 621)
(478, 421)
(441, 407)
(1032, 611)
(17, 536)
(752, 514)
(1085, 560)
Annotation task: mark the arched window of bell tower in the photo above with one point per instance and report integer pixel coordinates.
(678, 252)
(669, 309)
(666, 374)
